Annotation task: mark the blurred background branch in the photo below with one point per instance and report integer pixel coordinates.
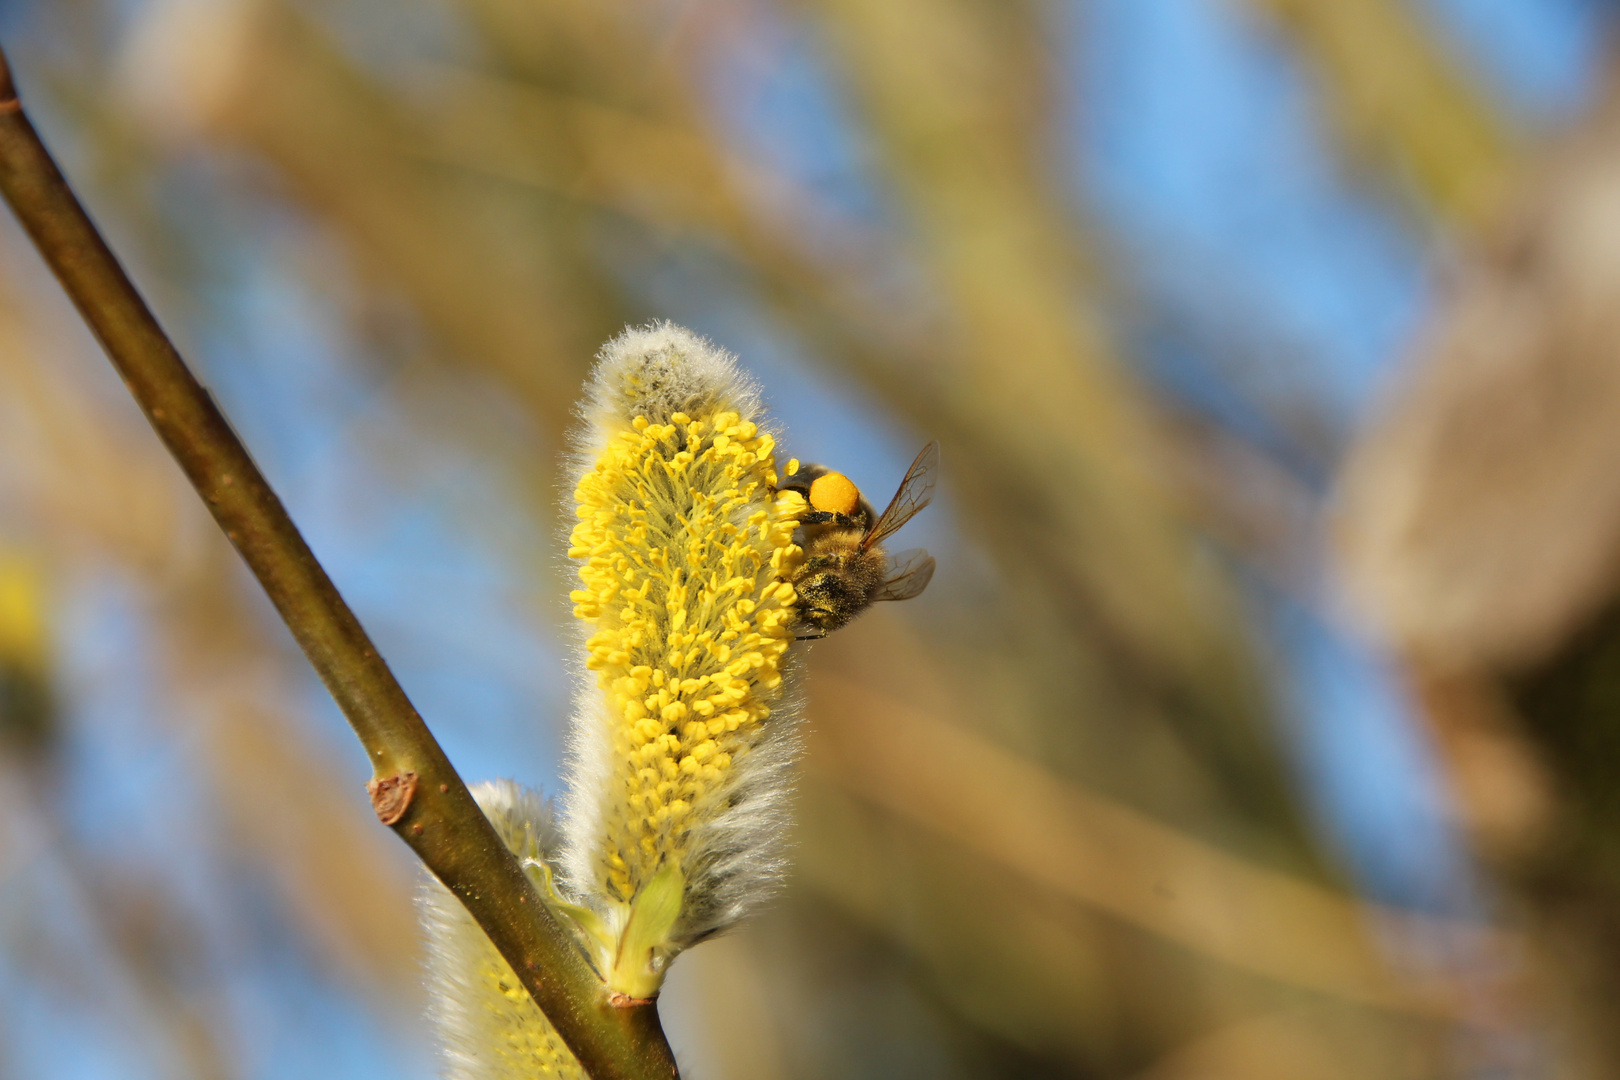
(1479, 530)
(1402, 104)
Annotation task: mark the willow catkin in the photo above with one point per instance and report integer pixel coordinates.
(683, 731)
(488, 1026)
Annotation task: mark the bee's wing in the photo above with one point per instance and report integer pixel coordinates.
(916, 491)
(909, 574)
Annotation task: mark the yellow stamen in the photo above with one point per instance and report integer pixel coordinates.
(684, 541)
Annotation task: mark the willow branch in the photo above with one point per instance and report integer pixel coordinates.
(1397, 97)
(414, 788)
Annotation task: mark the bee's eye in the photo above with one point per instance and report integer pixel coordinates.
(834, 493)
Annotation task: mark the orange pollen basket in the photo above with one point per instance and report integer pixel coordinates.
(834, 494)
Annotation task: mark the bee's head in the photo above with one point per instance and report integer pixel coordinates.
(827, 600)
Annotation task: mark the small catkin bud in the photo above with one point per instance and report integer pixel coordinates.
(683, 732)
(488, 1026)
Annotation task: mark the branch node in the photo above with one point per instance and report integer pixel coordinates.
(391, 795)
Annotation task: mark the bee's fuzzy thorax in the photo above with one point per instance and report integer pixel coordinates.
(489, 1027)
(683, 732)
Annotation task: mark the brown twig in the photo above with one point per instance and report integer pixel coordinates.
(414, 788)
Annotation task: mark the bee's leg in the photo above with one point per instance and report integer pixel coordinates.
(811, 637)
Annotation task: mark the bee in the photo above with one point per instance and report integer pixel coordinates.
(845, 568)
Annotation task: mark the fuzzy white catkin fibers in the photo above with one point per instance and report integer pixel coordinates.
(488, 1026)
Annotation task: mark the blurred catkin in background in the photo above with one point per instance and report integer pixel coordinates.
(1119, 796)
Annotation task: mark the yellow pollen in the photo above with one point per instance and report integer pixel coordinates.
(834, 494)
(683, 542)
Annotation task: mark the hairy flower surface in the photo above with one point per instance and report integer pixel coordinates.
(684, 734)
(489, 1027)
